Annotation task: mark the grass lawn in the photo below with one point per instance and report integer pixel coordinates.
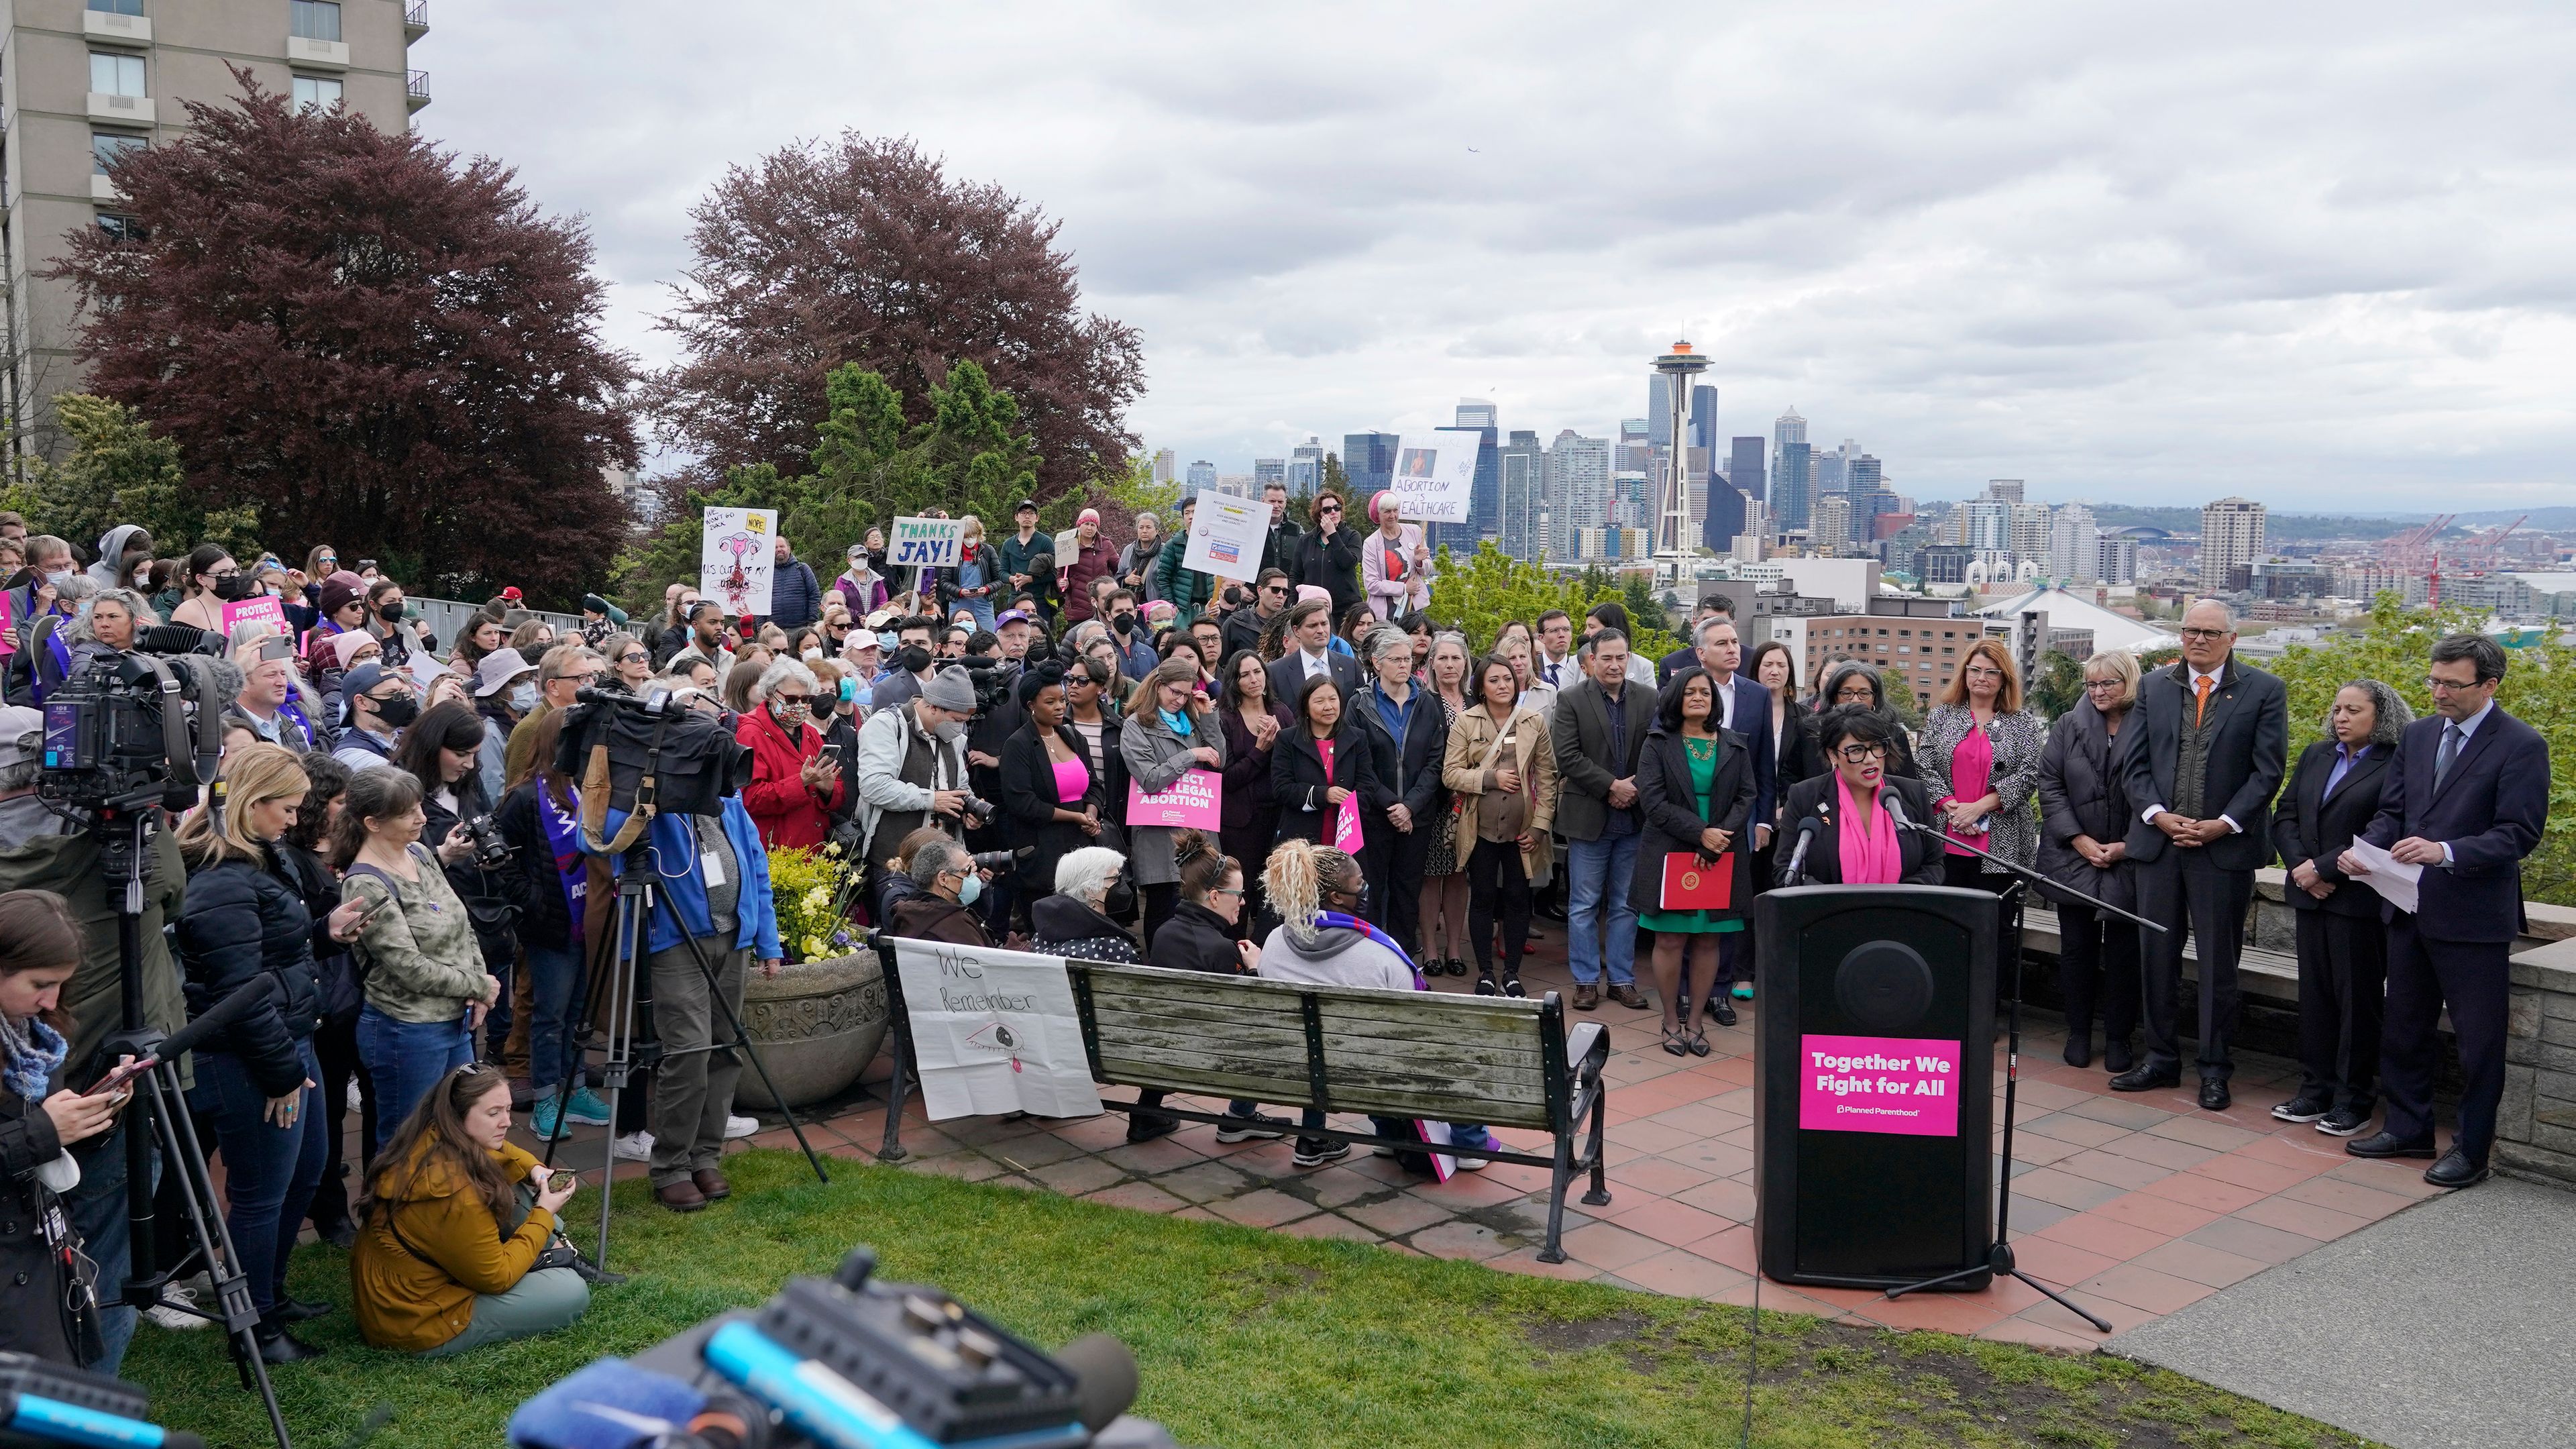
(1246, 1339)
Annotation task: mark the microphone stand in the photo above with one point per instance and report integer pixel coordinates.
(1999, 1256)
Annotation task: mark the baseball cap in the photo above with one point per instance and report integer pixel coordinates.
(1011, 616)
(1025, 505)
(16, 723)
(364, 679)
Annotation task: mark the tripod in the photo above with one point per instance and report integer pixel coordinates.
(121, 831)
(624, 974)
(1999, 1257)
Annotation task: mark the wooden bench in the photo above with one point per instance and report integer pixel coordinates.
(1497, 1061)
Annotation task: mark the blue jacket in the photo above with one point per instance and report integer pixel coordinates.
(795, 595)
(683, 896)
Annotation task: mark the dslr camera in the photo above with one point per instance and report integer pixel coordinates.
(491, 852)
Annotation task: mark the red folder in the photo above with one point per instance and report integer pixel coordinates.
(1690, 885)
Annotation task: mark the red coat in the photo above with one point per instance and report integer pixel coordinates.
(786, 812)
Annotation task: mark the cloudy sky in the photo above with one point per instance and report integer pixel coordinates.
(2300, 252)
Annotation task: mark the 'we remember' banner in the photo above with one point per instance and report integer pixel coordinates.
(994, 1032)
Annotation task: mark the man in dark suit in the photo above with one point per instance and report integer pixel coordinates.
(2208, 740)
(1746, 706)
(1279, 546)
(1310, 629)
(1599, 730)
(2466, 797)
(1711, 606)
(2343, 951)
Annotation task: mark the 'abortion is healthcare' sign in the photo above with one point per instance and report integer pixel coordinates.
(1878, 1084)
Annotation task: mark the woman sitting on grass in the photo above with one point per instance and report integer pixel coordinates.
(455, 1220)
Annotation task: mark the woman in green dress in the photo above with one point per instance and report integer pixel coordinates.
(1695, 795)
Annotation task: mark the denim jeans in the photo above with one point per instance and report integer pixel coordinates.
(1600, 924)
(97, 1208)
(407, 1058)
(560, 984)
(269, 1171)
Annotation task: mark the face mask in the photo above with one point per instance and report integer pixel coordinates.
(970, 890)
(951, 730)
(59, 579)
(849, 689)
(390, 613)
(912, 659)
(887, 643)
(789, 711)
(398, 711)
(523, 697)
(235, 589)
(1121, 898)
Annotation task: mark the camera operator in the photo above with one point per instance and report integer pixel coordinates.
(40, 950)
(441, 751)
(256, 1080)
(912, 768)
(381, 706)
(40, 850)
(563, 672)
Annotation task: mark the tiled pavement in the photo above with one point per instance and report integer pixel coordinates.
(2133, 1205)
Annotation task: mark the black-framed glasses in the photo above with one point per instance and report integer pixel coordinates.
(2103, 684)
(2206, 633)
(1862, 695)
(1863, 754)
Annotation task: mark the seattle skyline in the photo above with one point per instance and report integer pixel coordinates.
(2014, 241)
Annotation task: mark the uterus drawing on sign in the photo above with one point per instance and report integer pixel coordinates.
(736, 582)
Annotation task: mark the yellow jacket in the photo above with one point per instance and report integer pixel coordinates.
(416, 1291)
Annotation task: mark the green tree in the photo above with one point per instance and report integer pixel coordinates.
(2395, 647)
(2059, 683)
(1644, 609)
(1489, 588)
(119, 471)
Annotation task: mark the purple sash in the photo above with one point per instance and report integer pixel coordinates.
(563, 837)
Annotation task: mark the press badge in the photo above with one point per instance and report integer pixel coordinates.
(713, 865)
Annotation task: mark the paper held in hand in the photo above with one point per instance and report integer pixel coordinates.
(2394, 881)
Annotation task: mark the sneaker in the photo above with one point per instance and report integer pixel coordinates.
(542, 1121)
(1312, 1153)
(356, 1101)
(172, 1311)
(635, 1146)
(1146, 1126)
(740, 1126)
(586, 1109)
(2343, 1122)
(1476, 1164)
(1512, 985)
(2303, 1109)
(1253, 1128)
(1485, 986)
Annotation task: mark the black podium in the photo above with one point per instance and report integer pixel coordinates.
(1874, 1084)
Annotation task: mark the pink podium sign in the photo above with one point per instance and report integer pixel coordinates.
(1902, 1085)
(265, 609)
(1194, 802)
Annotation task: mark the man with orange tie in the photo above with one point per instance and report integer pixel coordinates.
(2207, 752)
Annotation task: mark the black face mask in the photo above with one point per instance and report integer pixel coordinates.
(235, 588)
(912, 659)
(1123, 623)
(1121, 898)
(390, 613)
(398, 711)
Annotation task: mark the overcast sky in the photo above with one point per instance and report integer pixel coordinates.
(2318, 255)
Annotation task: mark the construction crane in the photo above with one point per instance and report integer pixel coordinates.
(2486, 548)
(2412, 549)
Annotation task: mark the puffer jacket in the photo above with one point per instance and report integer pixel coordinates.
(431, 1245)
(238, 921)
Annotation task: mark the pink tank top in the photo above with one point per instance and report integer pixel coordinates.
(1072, 778)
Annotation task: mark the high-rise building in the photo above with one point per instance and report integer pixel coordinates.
(1725, 517)
(1166, 465)
(1744, 469)
(1266, 471)
(2029, 537)
(2004, 490)
(2231, 537)
(1830, 530)
(1485, 498)
(2074, 545)
(1369, 461)
(1832, 469)
(1792, 472)
(1202, 475)
(87, 84)
(2118, 559)
(1305, 467)
(1578, 489)
(1867, 489)
(1523, 469)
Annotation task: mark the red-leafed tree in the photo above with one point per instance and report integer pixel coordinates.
(376, 344)
(864, 251)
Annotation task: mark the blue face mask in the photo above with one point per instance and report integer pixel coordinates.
(970, 890)
(888, 643)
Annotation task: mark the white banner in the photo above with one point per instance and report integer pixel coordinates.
(994, 1032)
(925, 543)
(735, 556)
(1227, 535)
(1435, 474)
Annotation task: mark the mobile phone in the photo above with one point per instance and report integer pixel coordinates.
(276, 649)
(833, 750)
(373, 907)
(108, 1084)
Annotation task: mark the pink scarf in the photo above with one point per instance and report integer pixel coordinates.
(1972, 769)
(1870, 854)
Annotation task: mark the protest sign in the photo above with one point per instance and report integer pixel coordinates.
(1196, 801)
(994, 1032)
(926, 543)
(1346, 826)
(8, 628)
(1226, 535)
(735, 557)
(1435, 474)
(265, 609)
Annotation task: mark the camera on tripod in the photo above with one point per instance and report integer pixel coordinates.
(649, 753)
(117, 734)
(990, 678)
(851, 1363)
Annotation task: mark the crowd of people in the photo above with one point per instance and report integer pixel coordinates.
(398, 849)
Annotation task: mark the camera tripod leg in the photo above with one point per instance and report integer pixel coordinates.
(213, 1240)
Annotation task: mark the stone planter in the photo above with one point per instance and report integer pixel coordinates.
(816, 1025)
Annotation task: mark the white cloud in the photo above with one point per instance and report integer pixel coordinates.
(2310, 253)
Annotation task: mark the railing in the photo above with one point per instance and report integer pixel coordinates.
(416, 14)
(416, 84)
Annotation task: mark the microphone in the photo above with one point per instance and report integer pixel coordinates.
(250, 996)
(1807, 829)
(1106, 1372)
(1894, 804)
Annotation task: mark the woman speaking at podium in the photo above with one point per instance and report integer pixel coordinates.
(1856, 841)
